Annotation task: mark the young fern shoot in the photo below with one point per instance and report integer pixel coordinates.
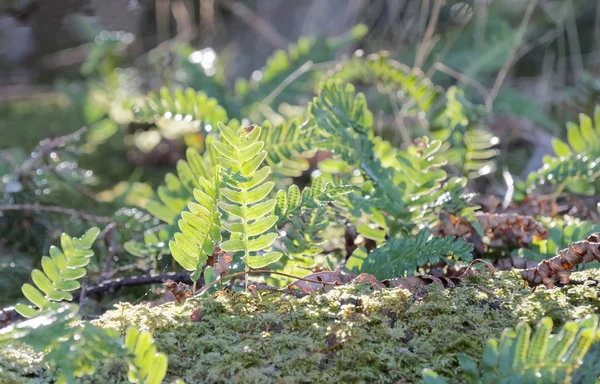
(244, 190)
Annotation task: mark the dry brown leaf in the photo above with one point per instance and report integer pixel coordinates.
(330, 279)
(503, 230)
(179, 290)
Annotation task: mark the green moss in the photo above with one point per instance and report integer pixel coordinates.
(347, 335)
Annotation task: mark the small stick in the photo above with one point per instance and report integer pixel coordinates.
(259, 271)
(55, 209)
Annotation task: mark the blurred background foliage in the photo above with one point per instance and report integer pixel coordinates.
(91, 63)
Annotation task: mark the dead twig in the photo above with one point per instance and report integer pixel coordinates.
(428, 42)
(258, 24)
(55, 209)
(511, 56)
(260, 272)
(46, 147)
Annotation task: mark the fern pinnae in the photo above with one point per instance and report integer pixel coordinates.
(200, 229)
(60, 273)
(245, 190)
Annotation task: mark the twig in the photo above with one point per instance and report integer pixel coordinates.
(465, 79)
(399, 119)
(260, 272)
(10, 315)
(46, 146)
(258, 24)
(55, 209)
(426, 44)
(308, 66)
(107, 235)
(512, 55)
(112, 284)
(287, 81)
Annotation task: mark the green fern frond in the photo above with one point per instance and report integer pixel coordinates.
(583, 138)
(146, 366)
(417, 93)
(186, 107)
(154, 242)
(521, 358)
(285, 143)
(337, 108)
(468, 144)
(401, 256)
(246, 191)
(280, 65)
(60, 273)
(576, 165)
(77, 348)
(177, 192)
(74, 349)
(200, 228)
(560, 236)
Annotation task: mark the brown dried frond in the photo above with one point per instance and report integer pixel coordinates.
(181, 291)
(559, 267)
(503, 230)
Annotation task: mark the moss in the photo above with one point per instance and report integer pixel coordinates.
(347, 335)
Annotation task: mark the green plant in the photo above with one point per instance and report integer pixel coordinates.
(60, 273)
(576, 165)
(75, 348)
(401, 256)
(519, 357)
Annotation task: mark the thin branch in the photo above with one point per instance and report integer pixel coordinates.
(55, 209)
(258, 24)
(512, 55)
(260, 272)
(427, 42)
(308, 66)
(46, 146)
(465, 79)
(287, 81)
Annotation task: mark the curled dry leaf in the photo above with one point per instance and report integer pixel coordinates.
(196, 316)
(503, 230)
(330, 279)
(222, 264)
(181, 291)
(559, 268)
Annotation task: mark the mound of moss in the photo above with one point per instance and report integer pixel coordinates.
(352, 334)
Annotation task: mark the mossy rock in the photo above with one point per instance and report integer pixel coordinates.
(349, 335)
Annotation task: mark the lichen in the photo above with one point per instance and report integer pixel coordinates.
(350, 335)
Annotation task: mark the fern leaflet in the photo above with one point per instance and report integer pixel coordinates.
(200, 229)
(402, 256)
(521, 358)
(60, 273)
(244, 187)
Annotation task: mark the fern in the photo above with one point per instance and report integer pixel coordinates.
(402, 256)
(200, 229)
(280, 65)
(60, 273)
(285, 143)
(417, 93)
(193, 110)
(521, 358)
(560, 236)
(245, 189)
(468, 145)
(76, 348)
(146, 366)
(303, 216)
(576, 165)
